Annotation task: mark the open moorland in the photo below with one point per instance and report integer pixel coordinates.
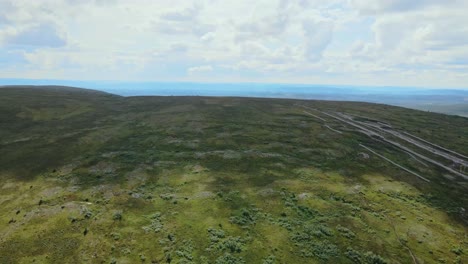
(91, 177)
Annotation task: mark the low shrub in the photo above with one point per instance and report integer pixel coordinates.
(156, 224)
(229, 259)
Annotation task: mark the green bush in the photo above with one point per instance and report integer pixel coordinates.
(354, 255)
(366, 258)
(215, 234)
(156, 224)
(457, 250)
(229, 259)
(233, 244)
(323, 250)
(117, 216)
(245, 217)
(115, 236)
(346, 232)
(269, 260)
(311, 242)
(291, 201)
(371, 258)
(220, 242)
(87, 213)
(311, 231)
(184, 253)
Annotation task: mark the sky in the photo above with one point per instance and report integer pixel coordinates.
(420, 43)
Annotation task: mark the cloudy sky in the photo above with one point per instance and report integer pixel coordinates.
(356, 42)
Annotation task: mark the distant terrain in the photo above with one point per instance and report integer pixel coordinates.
(447, 101)
(93, 177)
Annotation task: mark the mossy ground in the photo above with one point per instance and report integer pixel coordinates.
(217, 180)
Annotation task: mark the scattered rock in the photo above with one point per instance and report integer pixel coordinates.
(204, 195)
(198, 169)
(167, 196)
(266, 192)
(363, 155)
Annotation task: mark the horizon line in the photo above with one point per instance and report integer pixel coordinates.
(102, 81)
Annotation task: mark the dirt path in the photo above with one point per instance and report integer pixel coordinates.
(334, 130)
(437, 146)
(318, 117)
(376, 131)
(394, 163)
(420, 144)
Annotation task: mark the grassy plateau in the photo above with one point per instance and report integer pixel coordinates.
(91, 177)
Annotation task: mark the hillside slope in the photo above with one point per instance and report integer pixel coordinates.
(96, 178)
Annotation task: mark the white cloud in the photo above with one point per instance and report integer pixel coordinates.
(200, 69)
(389, 6)
(269, 26)
(318, 35)
(187, 14)
(208, 37)
(335, 41)
(178, 48)
(41, 35)
(423, 41)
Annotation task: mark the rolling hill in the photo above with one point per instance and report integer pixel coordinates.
(92, 177)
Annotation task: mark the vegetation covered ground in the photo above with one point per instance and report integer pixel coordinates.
(89, 177)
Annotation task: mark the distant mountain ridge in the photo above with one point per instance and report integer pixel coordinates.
(448, 101)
